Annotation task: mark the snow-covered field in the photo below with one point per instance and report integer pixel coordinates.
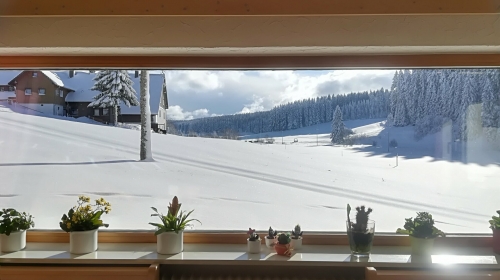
(46, 162)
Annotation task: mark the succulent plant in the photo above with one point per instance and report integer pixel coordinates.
(284, 238)
(495, 221)
(252, 235)
(421, 227)
(296, 232)
(361, 223)
(272, 233)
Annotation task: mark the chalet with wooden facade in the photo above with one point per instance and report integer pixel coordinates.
(7, 92)
(69, 93)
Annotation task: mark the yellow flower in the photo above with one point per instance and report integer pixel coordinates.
(107, 209)
(84, 198)
(68, 225)
(74, 218)
(88, 208)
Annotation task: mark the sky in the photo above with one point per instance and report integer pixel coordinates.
(195, 94)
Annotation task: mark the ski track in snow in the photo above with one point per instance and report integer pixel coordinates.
(232, 184)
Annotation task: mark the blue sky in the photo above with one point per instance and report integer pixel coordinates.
(195, 94)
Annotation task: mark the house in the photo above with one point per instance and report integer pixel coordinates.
(69, 93)
(7, 92)
(40, 91)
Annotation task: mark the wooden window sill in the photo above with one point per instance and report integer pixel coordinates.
(235, 254)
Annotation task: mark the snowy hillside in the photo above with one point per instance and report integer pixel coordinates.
(45, 163)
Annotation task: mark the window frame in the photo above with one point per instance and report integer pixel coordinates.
(98, 110)
(26, 91)
(255, 62)
(41, 91)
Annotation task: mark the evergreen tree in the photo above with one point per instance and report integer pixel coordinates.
(338, 127)
(115, 87)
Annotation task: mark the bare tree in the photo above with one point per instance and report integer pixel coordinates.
(146, 153)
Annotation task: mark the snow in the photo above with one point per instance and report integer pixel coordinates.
(46, 162)
(55, 79)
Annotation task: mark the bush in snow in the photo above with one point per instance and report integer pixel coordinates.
(393, 143)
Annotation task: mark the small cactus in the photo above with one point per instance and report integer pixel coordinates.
(272, 233)
(284, 238)
(361, 219)
(297, 232)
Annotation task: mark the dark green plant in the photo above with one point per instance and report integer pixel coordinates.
(495, 221)
(11, 221)
(362, 216)
(296, 232)
(271, 233)
(252, 235)
(284, 238)
(83, 217)
(421, 227)
(175, 220)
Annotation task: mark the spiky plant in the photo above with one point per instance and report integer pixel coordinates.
(176, 220)
(362, 215)
(296, 232)
(271, 233)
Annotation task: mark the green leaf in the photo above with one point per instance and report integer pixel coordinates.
(402, 231)
(154, 209)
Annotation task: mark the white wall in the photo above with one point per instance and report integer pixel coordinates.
(49, 109)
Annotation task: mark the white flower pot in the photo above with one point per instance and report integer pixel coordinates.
(270, 242)
(169, 243)
(16, 241)
(83, 242)
(296, 243)
(421, 246)
(253, 247)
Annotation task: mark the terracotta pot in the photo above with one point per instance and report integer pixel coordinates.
(281, 249)
(496, 241)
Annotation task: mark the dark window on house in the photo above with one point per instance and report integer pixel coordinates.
(27, 91)
(96, 112)
(35, 74)
(105, 112)
(11, 88)
(41, 91)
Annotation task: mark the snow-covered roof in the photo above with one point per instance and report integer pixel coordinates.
(54, 78)
(8, 75)
(82, 82)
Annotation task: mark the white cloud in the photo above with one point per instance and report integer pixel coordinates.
(230, 92)
(177, 113)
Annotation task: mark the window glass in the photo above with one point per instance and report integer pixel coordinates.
(41, 91)
(27, 91)
(35, 74)
(105, 111)
(267, 148)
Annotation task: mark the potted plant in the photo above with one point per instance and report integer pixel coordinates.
(361, 232)
(253, 242)
(495, 226)
(422, 233)
(13, 226)
(170, 232)
(282, 247)
(296, 238)
(82, 222)
(271, 237)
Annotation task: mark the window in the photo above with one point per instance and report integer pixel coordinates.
(11, 88)
(41, 91)
(2, 89)
(35, 74)
(61, 93)
(27, 91)
(293, 147)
